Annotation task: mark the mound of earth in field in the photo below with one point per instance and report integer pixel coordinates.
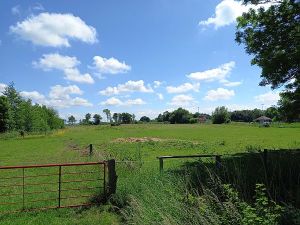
(136, 139)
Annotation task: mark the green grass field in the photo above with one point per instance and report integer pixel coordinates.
(125, 143)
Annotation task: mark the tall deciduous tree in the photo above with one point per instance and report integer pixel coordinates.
(108, 114)
(97, 119)
(87, 118)
(272, 36)
(71, 119)
(4, 114)
(220, 115)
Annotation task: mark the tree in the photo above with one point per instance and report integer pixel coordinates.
(116, 117)
(108, 114)
(14, 101)
(4, 114)
(180, 115)
(87, 118)
(289, 106)
(97, 119)
(272, 112)
(145, 119)
(71, 119)
(126, 118)
(220, 115)
(272, 37)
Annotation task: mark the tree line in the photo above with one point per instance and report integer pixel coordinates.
(182, 116)
(19, 114)
(114, 119)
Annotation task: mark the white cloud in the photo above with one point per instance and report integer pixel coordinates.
(129, 86)
(117, 102)
(80, 102)
(61, 92)
(160, 96)
(54, 29)
(112, 102)
(157, 83)
(110, 66)
(186, 87)
(38, 7)
(219, 73)
(66, 64)
(182, 100)
(34, 96)
(59, 97)
(269, 98)
(137, 101)
(2, 88)
(227, 11)
(220, 93)
(228, 83)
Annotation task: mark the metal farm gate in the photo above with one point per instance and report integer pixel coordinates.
(46, 186)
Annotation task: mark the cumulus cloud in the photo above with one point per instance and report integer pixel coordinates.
(110, 66)
(160, 96)
(219, 73)
(2, 88)
(59, 97)
(66, 64)
(182, 100)
(157, 83)
(227, 11)
(54, 30)
(34, 96)
(117, 102)
(228, 83)
(129, 86)
(218, 94)
(269, 98)
(186, 87)
(64, 92)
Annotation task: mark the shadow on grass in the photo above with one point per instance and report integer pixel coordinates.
(278, 170)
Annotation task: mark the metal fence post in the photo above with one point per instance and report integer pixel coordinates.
(59, 186)
(112, 177)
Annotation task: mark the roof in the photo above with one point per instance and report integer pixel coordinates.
(263, 118)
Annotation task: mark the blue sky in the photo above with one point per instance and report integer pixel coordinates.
(142, 57)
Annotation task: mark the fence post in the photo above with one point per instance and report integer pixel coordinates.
(112, 177)
(161, 164)
(91, 149)
(265, 158)
(23, 188)
(218, 162)
(59, 186)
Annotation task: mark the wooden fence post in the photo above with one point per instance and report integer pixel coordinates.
(161, 164)
(266, 166)
(112, 177)
(218, 162)
(91, 149)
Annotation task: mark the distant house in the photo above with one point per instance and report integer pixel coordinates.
(202, 119)
(263, 120)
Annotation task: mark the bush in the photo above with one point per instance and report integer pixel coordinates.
(193, 120)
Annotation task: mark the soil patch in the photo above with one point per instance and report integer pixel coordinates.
(136, 139)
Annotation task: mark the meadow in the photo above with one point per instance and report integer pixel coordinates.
(135, 148)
